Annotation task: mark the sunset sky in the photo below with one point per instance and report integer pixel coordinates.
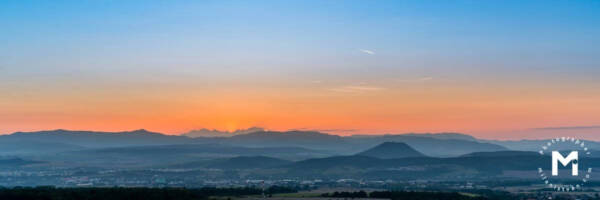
(492, 69)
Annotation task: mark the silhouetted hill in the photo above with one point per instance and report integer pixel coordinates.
(34, 147)
(301, 136)
(444, 136)
(474, 165)
(15, 162)
(428, 145)
(388, 150)
(201, 148)
(307, 139)
(97, 139)
(144, 156)
(241, 162)
(456, 136)
(431, 145)
(359, 167)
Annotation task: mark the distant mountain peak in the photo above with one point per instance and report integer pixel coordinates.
(217, 133)
(390, 150)
(140, 131)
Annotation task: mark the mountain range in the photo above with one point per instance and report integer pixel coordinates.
(436, 145)
(444, 145)
(271, 154)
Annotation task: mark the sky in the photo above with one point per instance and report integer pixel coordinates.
(492, 69)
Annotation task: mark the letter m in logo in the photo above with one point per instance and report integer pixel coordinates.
(571, 158)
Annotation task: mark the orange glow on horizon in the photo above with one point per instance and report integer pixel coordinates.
(395, 109)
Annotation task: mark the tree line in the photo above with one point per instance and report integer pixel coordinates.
(404, 195)
(121, 193)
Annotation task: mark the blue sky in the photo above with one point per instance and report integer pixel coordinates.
(544, 46)
(280, 30)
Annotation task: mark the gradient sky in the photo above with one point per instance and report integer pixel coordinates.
(493, 69)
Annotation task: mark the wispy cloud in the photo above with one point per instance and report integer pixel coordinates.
(367, 51)
(568, 127)
(422, 79)
(356, 89)
(427, 78)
